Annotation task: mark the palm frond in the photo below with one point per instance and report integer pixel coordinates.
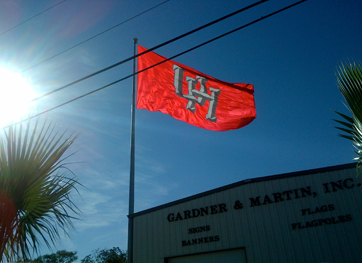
(35, 191)
(349, 81)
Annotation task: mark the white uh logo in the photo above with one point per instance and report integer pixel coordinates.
(196, 96)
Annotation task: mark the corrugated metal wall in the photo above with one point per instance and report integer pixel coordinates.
(310, 218)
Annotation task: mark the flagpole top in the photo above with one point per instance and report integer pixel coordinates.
(135, 40)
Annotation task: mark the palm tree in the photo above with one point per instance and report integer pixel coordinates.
(35, 188)
(349, 81)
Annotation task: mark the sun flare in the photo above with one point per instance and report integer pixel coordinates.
(16, 94)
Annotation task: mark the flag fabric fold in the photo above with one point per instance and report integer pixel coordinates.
(191, 96)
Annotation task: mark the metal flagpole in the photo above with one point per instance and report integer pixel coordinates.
(132, 162)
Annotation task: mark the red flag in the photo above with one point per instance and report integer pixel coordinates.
(191, 96)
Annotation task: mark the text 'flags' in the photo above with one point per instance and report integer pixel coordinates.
(191, 96)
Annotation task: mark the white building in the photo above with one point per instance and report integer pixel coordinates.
(307, 216)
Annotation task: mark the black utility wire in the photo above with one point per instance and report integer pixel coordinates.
(97, 35)
(200, 45)
(32, 17)
(151, 49)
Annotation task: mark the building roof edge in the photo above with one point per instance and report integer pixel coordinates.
(246, 181)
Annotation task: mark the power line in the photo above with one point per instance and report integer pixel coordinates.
(82, 42)
(179, 54)
(32, 17)
(151, 49)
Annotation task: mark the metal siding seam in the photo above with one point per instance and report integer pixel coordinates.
(356, 215)
(246, 218)
(255, 244)
(232, 217)
(151, 249)
(264, 220)
(298, 249)
(283, 224)
(260, 228)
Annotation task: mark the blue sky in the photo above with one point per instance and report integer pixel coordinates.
(290, 58)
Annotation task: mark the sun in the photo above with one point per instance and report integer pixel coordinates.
(16, 93)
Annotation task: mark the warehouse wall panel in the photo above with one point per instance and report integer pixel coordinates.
(307, 216)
